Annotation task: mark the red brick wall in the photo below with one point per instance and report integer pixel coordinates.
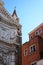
(38, 41)
(40, 44)
(24, 58)
(34, 31)
(27, 60)
(35, 56)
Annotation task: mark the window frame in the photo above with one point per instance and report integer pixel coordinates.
(25, 52)
(30, 37)
(38, 32)
(31, 51)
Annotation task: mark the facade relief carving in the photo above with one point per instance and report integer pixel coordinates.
(9, 45)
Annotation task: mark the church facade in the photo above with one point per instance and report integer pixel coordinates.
(10, 37)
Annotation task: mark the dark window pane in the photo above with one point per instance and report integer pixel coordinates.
(33, 48)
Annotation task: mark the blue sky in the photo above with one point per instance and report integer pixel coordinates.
(30, 13)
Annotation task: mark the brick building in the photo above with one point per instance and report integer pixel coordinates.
(32, 51)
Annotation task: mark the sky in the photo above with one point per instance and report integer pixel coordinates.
(30, 13)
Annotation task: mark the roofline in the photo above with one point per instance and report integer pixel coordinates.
(35, 28)
(32, 39)
(25, 43)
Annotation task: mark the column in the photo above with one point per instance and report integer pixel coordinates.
(12, 58)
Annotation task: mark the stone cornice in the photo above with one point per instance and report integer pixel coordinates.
(5, 15)
(9, 23)
(6, 19)
(9, 44)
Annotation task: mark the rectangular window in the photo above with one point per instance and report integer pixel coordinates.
(38, 32)
(30, 37)
(25, 52)
(32, 48)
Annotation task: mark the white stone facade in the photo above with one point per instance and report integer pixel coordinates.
(10, 37)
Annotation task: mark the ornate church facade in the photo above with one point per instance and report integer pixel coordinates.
(10, 37)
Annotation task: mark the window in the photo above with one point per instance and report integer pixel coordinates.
(38, 32)
(25, 52)
(32, 48)
(31, 37)
(33, 63)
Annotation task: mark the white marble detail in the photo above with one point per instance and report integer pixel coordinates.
(9, 28)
